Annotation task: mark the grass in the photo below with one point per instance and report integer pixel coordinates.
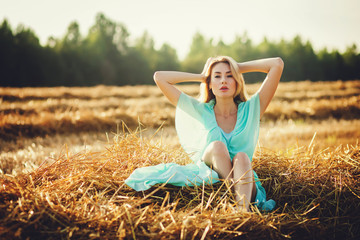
(65, 155)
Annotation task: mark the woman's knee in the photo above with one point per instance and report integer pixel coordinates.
(214, 151)
(217, 146)
(242, 160)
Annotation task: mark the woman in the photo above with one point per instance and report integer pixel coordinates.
(220, 131)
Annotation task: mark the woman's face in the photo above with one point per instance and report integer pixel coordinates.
(222, 81)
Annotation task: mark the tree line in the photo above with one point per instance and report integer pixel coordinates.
(107, 56)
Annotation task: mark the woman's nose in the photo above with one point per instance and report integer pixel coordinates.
(223, 80)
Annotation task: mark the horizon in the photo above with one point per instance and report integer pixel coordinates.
(332, 27)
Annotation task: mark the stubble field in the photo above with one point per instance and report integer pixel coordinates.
(65, 153)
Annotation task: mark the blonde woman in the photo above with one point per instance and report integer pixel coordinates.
(219, 131)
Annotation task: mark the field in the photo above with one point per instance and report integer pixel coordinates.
(65, 153)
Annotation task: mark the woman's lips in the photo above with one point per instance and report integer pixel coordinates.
(224, 88)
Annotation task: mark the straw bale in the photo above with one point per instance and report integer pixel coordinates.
(83, 196)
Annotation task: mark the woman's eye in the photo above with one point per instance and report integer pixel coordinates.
(217, 76)
(229, 76)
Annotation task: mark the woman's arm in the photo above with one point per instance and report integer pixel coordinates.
(165, 80)
(273, 67)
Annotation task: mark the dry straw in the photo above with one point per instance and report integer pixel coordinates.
(83, 196)
(33, 112)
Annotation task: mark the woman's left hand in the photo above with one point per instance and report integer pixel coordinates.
(206, 67)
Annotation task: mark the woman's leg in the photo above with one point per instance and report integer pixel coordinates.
(217, 157)
(245, 190)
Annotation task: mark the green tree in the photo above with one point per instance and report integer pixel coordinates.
(138, 69)
(105, 48)
(71, 53)
(145, 45)
(200, 50)
(221, 49)
(105, 56)
(242, 48)
(7, 56)
(28, 68)
(352, 63)
(327, 65)
(167, 58)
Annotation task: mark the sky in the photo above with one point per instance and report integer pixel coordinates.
(325, 23)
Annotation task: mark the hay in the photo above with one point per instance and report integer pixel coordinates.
(83, 196)
(32, 112)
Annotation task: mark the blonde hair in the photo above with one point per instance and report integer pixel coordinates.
(206, 93)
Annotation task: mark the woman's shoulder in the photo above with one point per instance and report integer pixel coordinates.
(249, 108)
(253, 98)
(186, 100)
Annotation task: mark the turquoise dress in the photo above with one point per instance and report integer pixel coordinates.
(196, 127)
